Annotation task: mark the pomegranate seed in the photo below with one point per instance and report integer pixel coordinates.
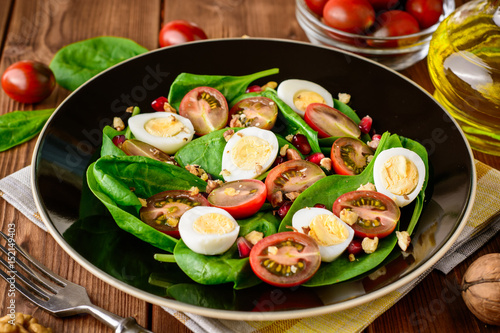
(354, 246)
(119, 140)
(280, 159)
(159, 103)
(283, 210)
(244, 247)
(365, 124)
(376, 137)
(253, 89)
(300, 142)
(315, 158)
(318, 205)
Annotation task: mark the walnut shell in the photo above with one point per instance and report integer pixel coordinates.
(481, 288)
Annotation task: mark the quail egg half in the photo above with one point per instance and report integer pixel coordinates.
(298, 94)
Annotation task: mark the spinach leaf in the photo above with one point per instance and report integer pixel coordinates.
(289, 122)
(230, 86)
(17, 127)
(215, 297)
(76, 63)
(264, 222)
(112, 178)
(108, 147)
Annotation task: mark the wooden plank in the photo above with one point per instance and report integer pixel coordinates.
(5, 6)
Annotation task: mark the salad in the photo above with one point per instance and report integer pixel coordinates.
(243, 184)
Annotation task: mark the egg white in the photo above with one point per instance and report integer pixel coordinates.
(378, 165)
(231, 171)
(207, 244)
(169, 145)
(288, 88)
(303, 218)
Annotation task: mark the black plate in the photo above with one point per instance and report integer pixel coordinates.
(81, 225)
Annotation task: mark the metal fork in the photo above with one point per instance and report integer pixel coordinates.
(55, 294)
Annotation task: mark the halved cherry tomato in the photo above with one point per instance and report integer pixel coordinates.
(257, 111)
(207, 109)
(377, 213)
(394, 23)
(292, 178)
(285, 259)
(328, 121)
(240, 198)
(350, 156)
(427, 12)
(353, 16)
(164, 209)
(134, 147)
(180, 31)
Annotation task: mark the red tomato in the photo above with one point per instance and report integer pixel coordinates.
(28, 81)
(383, 4)
(393, 23)
(377, 213)
(427, 12)
(255, 111)
(180, 31)
(291, 177)
(328, 121)
(207, 109)
(349, 156)
(164, 209)
(354, 16)
(316, 6)
(240, 198)
(285, 259)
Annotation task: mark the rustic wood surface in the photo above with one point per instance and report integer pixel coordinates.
(31, 29)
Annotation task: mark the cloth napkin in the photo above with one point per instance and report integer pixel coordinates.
(16, 190)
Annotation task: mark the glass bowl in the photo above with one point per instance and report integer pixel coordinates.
(411, 48)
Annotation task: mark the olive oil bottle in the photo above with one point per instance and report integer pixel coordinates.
(464, 65)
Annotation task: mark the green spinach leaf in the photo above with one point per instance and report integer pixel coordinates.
(264, 222)
(76, 63)
(17, 127)
(108, 147)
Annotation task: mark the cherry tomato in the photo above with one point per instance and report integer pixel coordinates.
(377, 213)
(393, 23)
(240, 198)
(207, 109)
(180, 31)
(328, 121)
(164, 209)
(134, 147)
(427, 12)
(316, 6)
(255, 111)
(354, 16)
(28, 81)
(291, 178)
(350, 156)
(285, 259)
(383, 4)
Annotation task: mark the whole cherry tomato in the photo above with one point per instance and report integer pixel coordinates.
(28, 81)
(316, 6)
(180, 31)
(427, 12)
(354, 16)
(391, 24)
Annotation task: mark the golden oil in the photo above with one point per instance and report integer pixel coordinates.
(464, 65)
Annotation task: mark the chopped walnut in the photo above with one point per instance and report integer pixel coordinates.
(235, 122)
(292, 154)
(254, 236)
(348, 216)
(272, 250)
(289, 137)
(270, 84)
(378, 273)
(194, 190)
(326, 163)
(404, 239)
(143, 202)
(169, 108)
(21, 323)
(225, 173)
(197, 171)
(351, 257)
(292, 195)
(258, 168)
(374, 143)
(366, 187)
(130, 109)
(118, 124)
(369, 245)
(277, 198)
(213, 184)
(283, 150)
(344, 98)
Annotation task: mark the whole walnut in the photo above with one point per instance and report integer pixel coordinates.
(481, 288)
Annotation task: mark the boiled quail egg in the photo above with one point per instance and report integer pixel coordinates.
(399, 173)
(164, 130)
(330, 233)
(208, 230)
(298, 94)
(249, 153)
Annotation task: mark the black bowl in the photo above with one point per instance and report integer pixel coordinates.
(70, 142)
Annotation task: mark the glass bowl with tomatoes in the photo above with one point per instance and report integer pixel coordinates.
(395, 33)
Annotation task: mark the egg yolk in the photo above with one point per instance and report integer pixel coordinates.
(213, 223)
(399, 175)
(164, 127)
(303, 98)
(326, 230)
(250, 151)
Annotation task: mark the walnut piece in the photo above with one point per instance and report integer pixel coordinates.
(143, 202)
(21, 323)
(292, 154)
(366, 187)
(292, 195)
(283, 150)
(344, 98)
(348, 216)
(369, 245)
(118, 124)
(326, 163)
(254, 236)
(194, 190)
(197, 171)
(213, 184)
(229, 133)
(404, 239)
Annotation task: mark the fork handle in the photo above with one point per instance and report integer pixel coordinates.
(119, 324)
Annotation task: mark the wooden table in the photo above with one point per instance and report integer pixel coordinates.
(32, 29)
